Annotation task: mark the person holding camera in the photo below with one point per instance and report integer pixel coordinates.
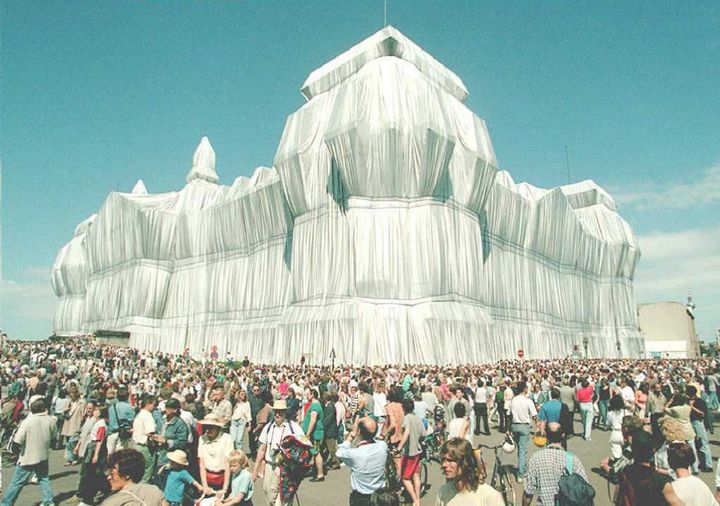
(270, 438)
(366, 461)
(174, 432)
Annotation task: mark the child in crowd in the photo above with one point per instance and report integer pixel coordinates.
(241, 484)
(178, 477)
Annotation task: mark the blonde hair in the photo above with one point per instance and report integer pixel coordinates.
(237, 456)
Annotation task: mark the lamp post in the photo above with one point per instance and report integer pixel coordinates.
(585, 342)
(332, 358)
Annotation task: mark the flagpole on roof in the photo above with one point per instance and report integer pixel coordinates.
(385, 13)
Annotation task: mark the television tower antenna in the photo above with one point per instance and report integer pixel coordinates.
(567, 163)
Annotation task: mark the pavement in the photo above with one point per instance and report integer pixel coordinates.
(335, 489)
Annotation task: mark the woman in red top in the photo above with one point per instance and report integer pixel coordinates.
(584, 396)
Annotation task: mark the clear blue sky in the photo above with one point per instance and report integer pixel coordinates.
(96, 94)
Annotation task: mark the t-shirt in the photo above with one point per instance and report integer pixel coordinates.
(585, 394)
(550, 411)
(484, 495)
(242, 483)
(643, 485)
(412, 423)
(318, 431)
(692, 490)
(175, 485)
(215, 452)
(135, 494)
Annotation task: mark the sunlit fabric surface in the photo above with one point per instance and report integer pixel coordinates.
(384, 232)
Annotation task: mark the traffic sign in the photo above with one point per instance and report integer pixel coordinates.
(213, 349)
(521, 353)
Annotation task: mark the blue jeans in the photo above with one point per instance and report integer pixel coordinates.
(704, 443)
(70, 448)
(521, 433)
(603, 408)
(237, 431)
(22, 476)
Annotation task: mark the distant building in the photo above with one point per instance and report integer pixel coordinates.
(669, 329)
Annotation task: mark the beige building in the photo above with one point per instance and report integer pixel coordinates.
(668, 329)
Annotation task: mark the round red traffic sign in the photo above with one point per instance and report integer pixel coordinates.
(213, 349)
(521, 353)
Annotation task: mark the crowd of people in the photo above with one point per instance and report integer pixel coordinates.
(153, 428)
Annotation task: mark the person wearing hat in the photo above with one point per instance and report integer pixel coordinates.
(270, 439)
(173, 434)
(178, 478)
(214, 448)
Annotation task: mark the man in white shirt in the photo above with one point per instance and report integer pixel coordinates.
(143, 426)
(524, 415)
(481, 409)
(34, 436)
(270, 439)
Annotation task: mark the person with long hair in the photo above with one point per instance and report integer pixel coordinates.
(462, 472)
(678, 412)
(240, 417)
(614, 419)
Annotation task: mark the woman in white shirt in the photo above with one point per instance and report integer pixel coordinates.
(460, 425)
(240, 417)
(615, 417)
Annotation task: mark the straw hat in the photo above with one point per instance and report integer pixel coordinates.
(279, 405)
(178, 456)
(213, 420)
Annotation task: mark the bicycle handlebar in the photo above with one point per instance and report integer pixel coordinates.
(491, 447)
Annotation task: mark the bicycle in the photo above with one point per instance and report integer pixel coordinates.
(432, 444)
(500, 479)
(394, 482)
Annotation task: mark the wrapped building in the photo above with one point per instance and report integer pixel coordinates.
(384, 232)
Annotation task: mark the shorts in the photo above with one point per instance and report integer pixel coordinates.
(410, 466)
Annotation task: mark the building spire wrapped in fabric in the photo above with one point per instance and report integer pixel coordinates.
(384, 231)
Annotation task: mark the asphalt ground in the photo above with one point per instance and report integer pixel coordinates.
(335, 489)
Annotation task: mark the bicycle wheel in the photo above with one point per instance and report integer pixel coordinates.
(424, 486)
(506, 489)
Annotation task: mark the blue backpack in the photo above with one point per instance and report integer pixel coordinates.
(573, 489)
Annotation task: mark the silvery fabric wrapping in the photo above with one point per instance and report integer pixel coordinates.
(384, 232)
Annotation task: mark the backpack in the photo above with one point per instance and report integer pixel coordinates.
(573, 489)
(124, 426)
